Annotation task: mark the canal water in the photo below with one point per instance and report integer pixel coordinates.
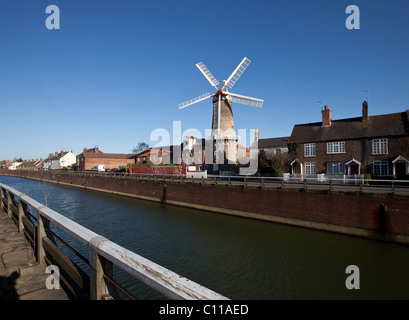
(236, 257)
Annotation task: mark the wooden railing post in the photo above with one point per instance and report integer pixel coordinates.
(40, 235)
(98, 267)
(20, 216)
(9, 204)
(1, 200)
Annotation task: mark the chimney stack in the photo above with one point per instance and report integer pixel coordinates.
(256, 135)
(326, 117)
(96, 149)
(56, 153)
(85, 149)
(365, 111)
(50, 155)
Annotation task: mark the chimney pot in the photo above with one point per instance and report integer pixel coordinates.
(85, 149)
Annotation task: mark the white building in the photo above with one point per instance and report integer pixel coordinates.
(14, 165)
(60, 160)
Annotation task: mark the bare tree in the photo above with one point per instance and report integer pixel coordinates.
(142, 146)
(47, 190)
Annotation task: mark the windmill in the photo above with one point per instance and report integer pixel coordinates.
(222, 120)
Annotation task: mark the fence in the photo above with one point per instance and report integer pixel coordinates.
(103, 254)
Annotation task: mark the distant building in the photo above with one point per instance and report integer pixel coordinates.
(34, 164)
(378, 145)
(14, 165)
(93, 157)
(59, 160)
(274, 146)
(5, 164)
(191, 152)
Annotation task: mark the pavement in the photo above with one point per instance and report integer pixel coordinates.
(21, 277)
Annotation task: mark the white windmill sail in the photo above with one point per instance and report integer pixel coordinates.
(195, 100)
(213, 81)
(249, 101)
(237, 73)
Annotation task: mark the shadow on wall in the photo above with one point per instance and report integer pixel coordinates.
(7, 287)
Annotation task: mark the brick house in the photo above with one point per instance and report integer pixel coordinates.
(92, 157)
(378, 145)
(34, 164)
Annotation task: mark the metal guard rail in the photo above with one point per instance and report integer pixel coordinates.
(103, 253)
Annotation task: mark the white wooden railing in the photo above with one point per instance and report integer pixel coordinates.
(103, 253)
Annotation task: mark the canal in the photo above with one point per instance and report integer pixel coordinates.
(236, 257)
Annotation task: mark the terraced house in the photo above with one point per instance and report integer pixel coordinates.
(378, 145)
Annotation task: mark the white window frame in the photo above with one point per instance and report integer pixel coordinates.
(336, 168)
(380, 146)
(309, 150)
(382, 166)
(336, 147)
(310, 168)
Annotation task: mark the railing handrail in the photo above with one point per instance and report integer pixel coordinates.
(161, 279)
(325, 179)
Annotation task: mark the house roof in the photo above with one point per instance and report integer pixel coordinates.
(58, 156)
(107, 155)
(273, 143)
(30, 164)
(92, 150)
(394, 124)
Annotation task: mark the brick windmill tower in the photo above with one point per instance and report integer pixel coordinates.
(223, 132)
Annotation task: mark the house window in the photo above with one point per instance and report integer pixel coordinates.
(310, 168)
(380, 168)
(335, 147)
(379, 146)
(336, 168)
(309, 150)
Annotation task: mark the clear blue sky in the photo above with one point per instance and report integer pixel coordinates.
(116, 70)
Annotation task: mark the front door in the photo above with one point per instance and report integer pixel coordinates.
(400, 168)
(354, 169)
(296, 168)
